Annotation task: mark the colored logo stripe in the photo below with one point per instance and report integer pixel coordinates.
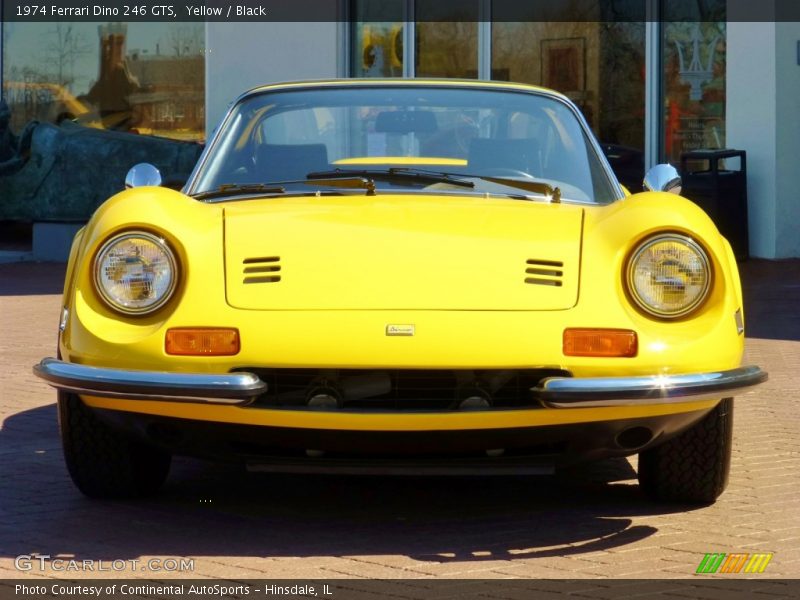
(710, 563)
(734, 563)
(758, 562)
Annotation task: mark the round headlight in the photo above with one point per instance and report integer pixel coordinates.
(669, 276)
(135, 272)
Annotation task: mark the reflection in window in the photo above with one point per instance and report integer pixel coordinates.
(380, 50)
(284, 136)
(694, 86)
(599, 65)
(447, 49)
(377, 49)
(145, 78)
(447, 39)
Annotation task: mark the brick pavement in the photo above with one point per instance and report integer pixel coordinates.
(589, 523)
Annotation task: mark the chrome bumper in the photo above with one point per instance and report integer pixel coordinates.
(240, 389)
(565, 392)
(228, 388)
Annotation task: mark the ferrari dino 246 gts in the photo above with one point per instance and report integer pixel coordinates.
(400, 275)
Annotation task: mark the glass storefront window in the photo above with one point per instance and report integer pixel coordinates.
(147, 78)
(446, 40)
(595, 53)
(694, 87)
(560, 56)
(445, 47)
(599, 65)
(377, 40)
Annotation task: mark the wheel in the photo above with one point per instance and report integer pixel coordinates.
(102, 462)
(692, 467)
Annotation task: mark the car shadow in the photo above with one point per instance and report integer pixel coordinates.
(32, 278)
(771, 290)
(216, 510)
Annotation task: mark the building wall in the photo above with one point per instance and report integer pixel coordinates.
(751, 112)
(763, 119)
(787, 152)
(244, 55)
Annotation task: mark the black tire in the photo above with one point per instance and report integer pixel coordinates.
(102, 462)
(692, 467)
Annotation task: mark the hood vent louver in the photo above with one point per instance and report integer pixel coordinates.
(544, 272)
(396, 254)
(262, 270)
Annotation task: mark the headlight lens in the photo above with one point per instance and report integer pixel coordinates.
(135, 272)
(669, 276)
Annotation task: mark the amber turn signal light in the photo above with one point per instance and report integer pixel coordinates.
(201, 341)
(600, 342)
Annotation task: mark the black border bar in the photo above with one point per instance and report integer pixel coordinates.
(729, 587)
(392, 10)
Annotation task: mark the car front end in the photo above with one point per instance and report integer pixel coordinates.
(369, 314)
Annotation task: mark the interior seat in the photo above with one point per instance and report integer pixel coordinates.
(284, 162)
(520, 154)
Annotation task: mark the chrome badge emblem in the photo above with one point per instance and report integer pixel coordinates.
(400, 330)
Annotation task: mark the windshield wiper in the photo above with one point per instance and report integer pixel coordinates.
(360, 177)
(240, 189)
(529, 185)
(537, 187)
(365, 179)
(348, 181)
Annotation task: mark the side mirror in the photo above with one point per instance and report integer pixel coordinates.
(142, 174)
(663, 178)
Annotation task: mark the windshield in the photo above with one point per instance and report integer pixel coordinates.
(468, 133)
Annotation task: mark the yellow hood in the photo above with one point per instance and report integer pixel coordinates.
(401, 252)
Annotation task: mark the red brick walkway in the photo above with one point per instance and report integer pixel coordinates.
(590, 523)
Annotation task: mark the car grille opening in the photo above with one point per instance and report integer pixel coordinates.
(384, 452)
(401, 389)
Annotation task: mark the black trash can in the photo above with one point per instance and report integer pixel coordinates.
(721, 191)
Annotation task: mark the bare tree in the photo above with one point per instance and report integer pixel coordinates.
(65, 47)
(186, 40)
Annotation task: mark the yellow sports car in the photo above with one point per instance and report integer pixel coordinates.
(411, 276)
